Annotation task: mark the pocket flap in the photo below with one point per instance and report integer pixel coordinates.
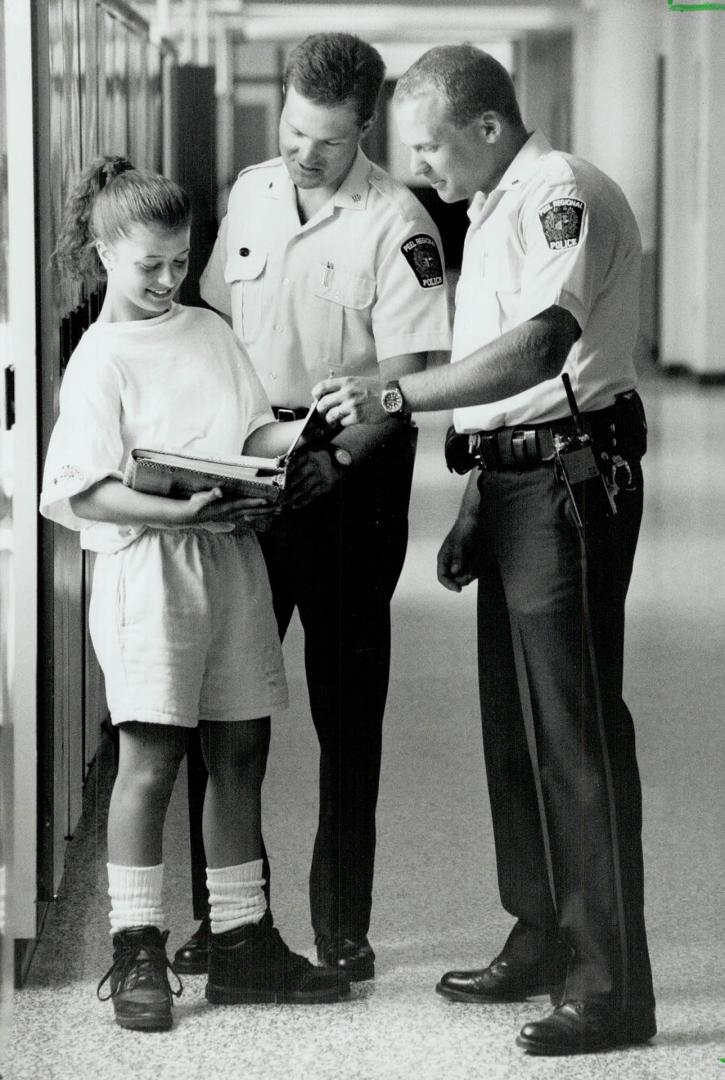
(245, 267)
(342, 287)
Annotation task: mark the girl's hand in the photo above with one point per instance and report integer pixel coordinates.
(212, 506)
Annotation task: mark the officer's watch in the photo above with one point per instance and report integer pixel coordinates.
(392, 399)
(342, 456)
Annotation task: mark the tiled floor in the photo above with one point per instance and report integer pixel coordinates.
(436, 897)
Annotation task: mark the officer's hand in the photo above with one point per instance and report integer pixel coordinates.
(310, 474)
(457, 556)
(352, 399)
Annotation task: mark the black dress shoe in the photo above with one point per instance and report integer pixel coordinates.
(355, 958)
(193, 956)
(501, 981)
(578, 1027)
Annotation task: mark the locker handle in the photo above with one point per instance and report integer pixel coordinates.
(9, 397)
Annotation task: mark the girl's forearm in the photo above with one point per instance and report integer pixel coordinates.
(111, 501)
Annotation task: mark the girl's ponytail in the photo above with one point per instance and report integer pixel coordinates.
(75, 254)
(110, 199)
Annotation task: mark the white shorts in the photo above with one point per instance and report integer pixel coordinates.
(183, 628)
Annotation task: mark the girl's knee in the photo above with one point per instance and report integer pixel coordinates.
(149, 776)
(150, 756)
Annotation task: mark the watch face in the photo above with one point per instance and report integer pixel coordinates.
(392, 400)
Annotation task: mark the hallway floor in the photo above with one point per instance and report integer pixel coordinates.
(436, 901)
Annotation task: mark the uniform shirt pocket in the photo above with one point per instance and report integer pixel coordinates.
(345, 288)
(507, 283)
(244, 273)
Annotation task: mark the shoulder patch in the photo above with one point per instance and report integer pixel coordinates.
(424, 259)
(561, 220)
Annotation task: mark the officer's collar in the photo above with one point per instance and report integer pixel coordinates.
(482, 205)
(525, 162)
(353, 191)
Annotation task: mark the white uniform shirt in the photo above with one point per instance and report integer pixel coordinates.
(555, 230)
(180, 381)
(360, 282)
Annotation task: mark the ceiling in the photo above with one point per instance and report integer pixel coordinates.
(444, 20)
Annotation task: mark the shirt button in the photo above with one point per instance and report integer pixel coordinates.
(273, 374)
(337, 293)
(285, 281)
(278, 329)
(244, 251)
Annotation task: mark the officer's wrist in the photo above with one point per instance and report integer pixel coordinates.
(393, 401)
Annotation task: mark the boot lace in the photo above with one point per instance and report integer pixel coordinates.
(147, 961)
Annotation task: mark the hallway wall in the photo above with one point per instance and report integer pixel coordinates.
(615, 117)
(693, 257)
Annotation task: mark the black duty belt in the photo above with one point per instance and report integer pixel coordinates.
(292, 412)
(621, 427)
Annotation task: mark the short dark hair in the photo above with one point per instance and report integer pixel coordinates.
(333, 69)
(471, 81)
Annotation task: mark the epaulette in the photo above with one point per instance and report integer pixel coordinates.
(557, 167)
(396, 192)
(271, 164)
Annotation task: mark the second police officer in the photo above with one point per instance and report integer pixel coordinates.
(549, 523)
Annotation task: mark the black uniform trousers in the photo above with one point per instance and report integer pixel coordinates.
(338, 561)
(558, 738)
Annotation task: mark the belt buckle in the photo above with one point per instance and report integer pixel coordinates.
(286, 415)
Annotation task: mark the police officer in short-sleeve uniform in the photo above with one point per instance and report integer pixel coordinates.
(549, 524)
(358, 284)
(324, 262)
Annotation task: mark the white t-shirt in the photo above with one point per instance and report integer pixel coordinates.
(178, 382)
(361, 281)
(555, 231)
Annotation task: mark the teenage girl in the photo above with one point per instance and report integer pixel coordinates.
(181, 612)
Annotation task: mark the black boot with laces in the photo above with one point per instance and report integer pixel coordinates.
(193, 956)
(252, 965)
(138, 981)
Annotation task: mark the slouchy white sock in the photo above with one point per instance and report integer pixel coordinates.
(135, 893)
(236, 895)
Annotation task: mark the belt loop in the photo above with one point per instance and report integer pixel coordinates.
(531, 448)
(519, 447)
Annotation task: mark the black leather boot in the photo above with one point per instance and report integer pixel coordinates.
(138, 980)
(252, 965)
